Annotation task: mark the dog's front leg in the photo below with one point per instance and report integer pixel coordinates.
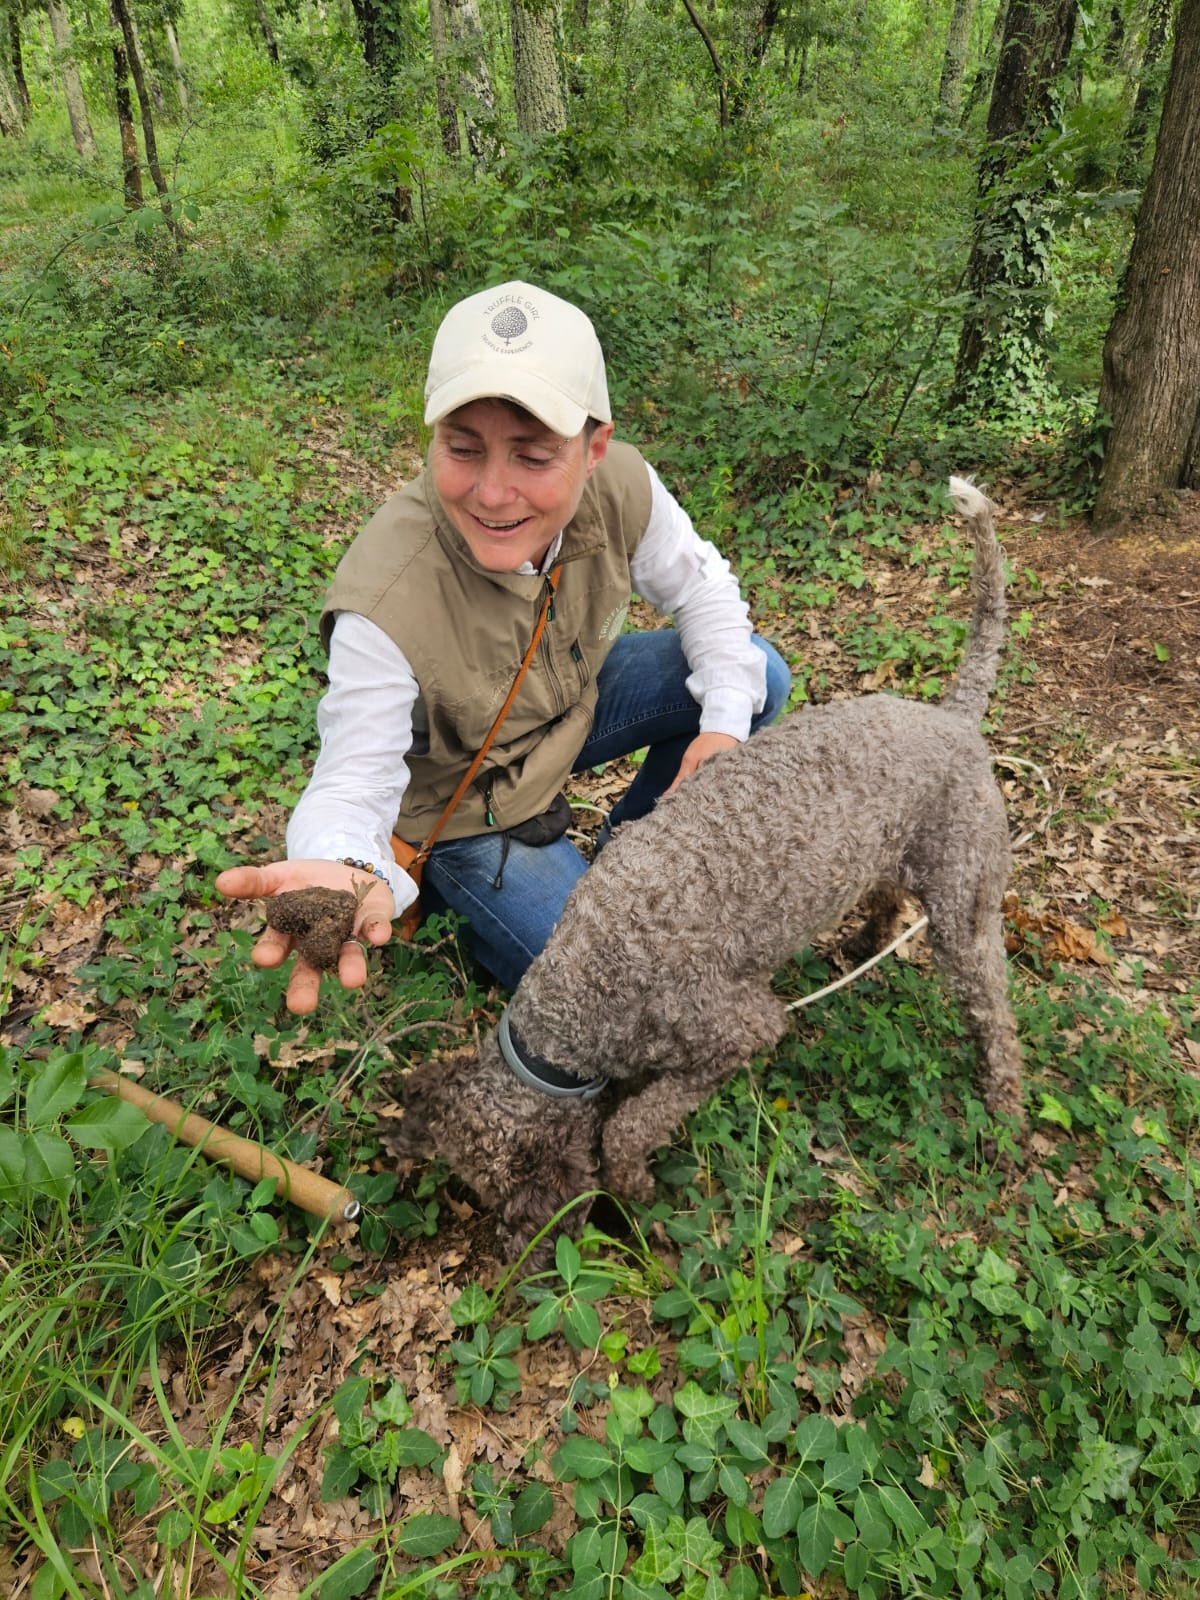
(645, 1122)
(547, 1168)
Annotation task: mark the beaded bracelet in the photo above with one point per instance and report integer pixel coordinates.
(365, 866)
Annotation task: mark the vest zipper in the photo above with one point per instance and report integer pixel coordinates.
(552, 674)
(486, 786)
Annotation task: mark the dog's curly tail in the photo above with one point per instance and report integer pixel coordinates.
(969, 695)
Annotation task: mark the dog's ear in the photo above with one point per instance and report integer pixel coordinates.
(408, 1139)
(414, 1137)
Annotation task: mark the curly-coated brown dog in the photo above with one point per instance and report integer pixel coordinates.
(657, 977)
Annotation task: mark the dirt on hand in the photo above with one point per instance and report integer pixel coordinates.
(319, 920)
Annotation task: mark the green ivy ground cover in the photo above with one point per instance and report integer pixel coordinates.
(184, 442)
(1032, 1423)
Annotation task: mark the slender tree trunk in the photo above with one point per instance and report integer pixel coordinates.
(131, 166)
(12, 107)
(68, 67)
(18, 60)
(1000, 352)
(477, 101)
(12, 113)
(537, 69)
(757, 29)
(447, 110)
(1150, 387)
(954, 62)
(802, 71)
(1149, 83)
(181, 87)
(122, 17)
(1114, 41)
(145, 65)
(577, 43)
(858, 36)
(263, 17)
(718, 69)
(987, 66)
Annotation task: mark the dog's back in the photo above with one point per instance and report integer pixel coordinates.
(802, 822)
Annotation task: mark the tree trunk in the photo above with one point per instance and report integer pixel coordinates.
(1000, 352)
(181, 87)
(954, 63)
(145, 65)
(12, 108)
(718, 69)
(477, 102)
(1149, 84)
(263, 17)
(64, 50)
(1150, 387)
(131, 167)
(987, 67)
(18, 60)
(387, 30)
(757, 30)
(1114, 42)
(447, 110)
(12, 113)
(124, 20)
(577, 44)
(537, 73)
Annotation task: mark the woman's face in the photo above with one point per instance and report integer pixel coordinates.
(507, 482)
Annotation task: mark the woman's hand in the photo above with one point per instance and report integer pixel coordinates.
(372, 920)
(697, 753)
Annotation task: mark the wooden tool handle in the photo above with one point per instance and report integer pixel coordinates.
(312, 1193)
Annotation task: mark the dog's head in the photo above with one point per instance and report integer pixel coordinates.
(525, 1154)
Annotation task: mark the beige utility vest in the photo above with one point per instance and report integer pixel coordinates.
(464, 631)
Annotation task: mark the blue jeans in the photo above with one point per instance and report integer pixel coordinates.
(642, 701)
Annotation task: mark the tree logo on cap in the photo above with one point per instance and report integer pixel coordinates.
(509, 324)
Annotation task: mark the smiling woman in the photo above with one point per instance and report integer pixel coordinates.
(525, 495)
(508, 482)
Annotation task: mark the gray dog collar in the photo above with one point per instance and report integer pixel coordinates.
(538, 1073)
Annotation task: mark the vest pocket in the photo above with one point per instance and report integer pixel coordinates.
(581, 666)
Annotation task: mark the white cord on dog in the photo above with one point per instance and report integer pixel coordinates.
(830, 988)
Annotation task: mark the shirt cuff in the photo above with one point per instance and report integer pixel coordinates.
(726, 710)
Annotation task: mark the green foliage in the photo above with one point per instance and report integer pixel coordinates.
(864, 1351)
(374, 1443)
(96, 700)
(1031, 1423)
(573, 1310)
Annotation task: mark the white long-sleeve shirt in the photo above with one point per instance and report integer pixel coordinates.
(364, 719)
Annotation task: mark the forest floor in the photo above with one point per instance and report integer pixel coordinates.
(1098, 751)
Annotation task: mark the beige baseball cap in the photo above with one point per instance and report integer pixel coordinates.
(518, 342)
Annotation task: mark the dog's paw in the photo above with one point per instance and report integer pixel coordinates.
(628, 1181)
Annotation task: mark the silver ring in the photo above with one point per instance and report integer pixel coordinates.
(361, 943)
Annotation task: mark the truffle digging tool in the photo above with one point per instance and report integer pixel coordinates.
(308, 1190)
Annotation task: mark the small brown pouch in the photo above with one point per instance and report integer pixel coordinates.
(413, 861)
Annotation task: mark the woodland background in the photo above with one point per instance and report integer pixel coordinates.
(834, 254)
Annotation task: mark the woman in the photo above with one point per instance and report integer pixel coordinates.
(432, 609)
